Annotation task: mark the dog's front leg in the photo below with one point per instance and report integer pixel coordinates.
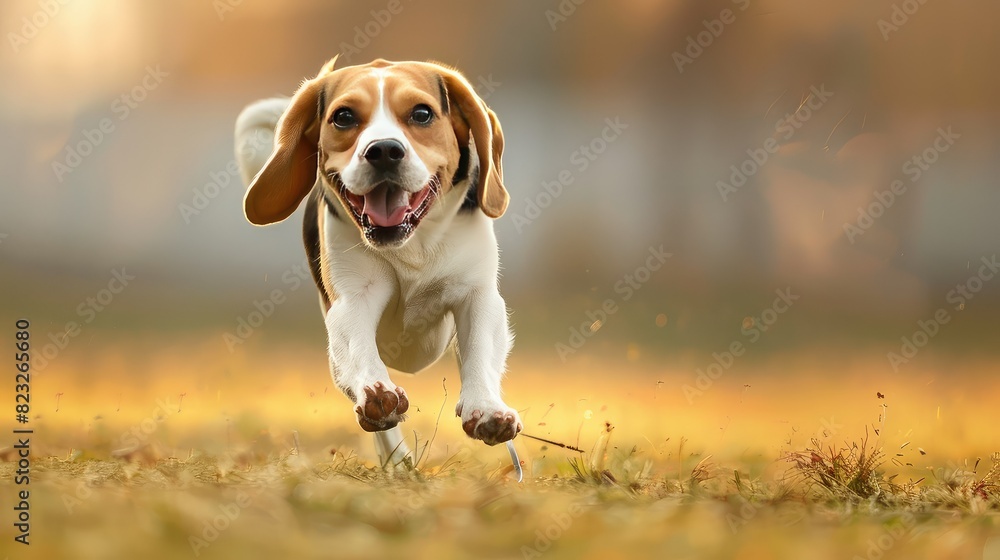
(484, 340)
(351, 325)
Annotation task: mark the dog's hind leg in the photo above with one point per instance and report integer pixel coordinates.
(392, 449)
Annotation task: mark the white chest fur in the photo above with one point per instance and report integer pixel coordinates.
(420, 283)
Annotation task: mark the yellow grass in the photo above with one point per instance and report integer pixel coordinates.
(220, 443)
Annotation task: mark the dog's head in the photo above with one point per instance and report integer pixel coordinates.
(387, 140)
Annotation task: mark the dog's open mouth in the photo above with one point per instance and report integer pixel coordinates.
(388, 214)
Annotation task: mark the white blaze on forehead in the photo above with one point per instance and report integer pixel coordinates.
(382, 125)
(380, 74)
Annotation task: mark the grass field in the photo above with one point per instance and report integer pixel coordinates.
(162, 454)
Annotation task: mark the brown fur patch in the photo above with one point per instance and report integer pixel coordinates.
(312, 226)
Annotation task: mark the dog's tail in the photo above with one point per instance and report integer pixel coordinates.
(255, 134)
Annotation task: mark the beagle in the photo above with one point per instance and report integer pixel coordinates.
(399, 167)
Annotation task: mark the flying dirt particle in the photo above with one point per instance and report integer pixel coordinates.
(748, 322)
(595, 326)
(632, 352)
(661, 320)
(588, 414)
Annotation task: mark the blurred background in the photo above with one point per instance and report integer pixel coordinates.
(753, 140)
(842, 154)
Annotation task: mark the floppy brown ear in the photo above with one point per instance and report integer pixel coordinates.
(290, 172)
(486, 131)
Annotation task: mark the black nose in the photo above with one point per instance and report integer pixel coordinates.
(385, 155)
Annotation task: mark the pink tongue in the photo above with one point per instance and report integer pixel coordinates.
(385, 206)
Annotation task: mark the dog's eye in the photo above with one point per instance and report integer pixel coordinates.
(343, 118)
(422, 114)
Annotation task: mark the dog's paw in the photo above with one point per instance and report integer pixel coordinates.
(492, 423)
(382, 408)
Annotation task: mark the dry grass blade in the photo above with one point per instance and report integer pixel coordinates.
(989, 485)
(425, 453)
(849, 472)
